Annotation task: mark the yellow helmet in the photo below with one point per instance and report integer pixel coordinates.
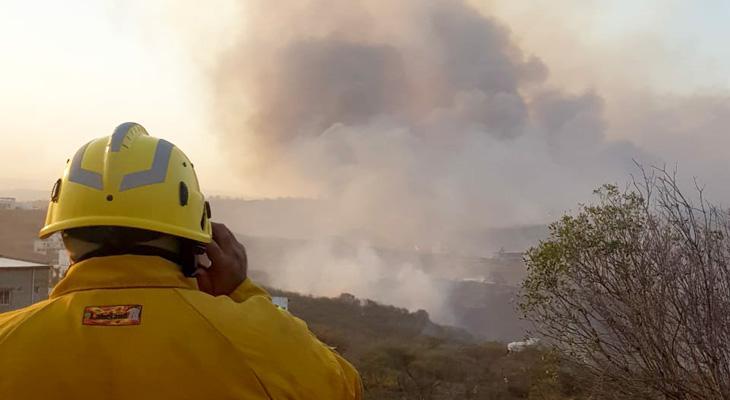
(133, 180)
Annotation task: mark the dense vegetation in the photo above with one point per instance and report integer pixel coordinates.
(403, 355)
(636, 289)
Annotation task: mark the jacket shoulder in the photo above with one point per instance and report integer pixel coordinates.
(12, 319)
(292, 362)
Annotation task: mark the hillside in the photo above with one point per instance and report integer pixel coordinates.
(403, 355)
(18, 230)
(484, 308)
(353, 324)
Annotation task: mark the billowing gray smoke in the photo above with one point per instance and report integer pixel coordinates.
(420, 122)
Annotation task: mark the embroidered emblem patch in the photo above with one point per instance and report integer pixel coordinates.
(113, 315)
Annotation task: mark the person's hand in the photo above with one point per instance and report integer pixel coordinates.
(228, 263)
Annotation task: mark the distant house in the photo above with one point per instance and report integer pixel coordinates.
(51, 244)
(56, 255)
(22, 283)
(7, 203)
(510, 256)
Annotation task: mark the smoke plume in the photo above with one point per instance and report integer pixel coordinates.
(419, 122)
(418, 119)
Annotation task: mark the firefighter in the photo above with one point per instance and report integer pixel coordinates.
(137, 316)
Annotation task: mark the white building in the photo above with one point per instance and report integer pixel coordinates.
(22, 283)
(29, 205)
(52, 244)
(7, 203)
(509, 256)
(64, 261)
(54, 248)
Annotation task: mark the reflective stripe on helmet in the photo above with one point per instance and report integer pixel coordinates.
(83, 176)
(156, 173)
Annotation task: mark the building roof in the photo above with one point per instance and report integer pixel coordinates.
(14, 263)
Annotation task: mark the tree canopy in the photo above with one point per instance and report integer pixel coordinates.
(635, 290)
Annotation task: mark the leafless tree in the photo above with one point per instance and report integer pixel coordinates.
(636, 290)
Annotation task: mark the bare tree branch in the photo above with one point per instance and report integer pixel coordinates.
(637, 290)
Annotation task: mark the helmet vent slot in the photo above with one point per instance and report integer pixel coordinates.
(56, 191)
(183, 194)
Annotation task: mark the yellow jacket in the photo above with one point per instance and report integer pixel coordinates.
(164, 339)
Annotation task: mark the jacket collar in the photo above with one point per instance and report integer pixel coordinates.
(127, 271)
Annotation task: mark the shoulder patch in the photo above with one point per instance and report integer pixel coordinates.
(121, 315)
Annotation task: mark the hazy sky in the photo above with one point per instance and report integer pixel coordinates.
(73, 70)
